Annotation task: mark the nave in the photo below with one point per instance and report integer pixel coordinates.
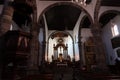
(34, 32)
(71, 73)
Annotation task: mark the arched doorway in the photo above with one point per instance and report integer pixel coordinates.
(60, 43)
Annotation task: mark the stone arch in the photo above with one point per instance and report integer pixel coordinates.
(97, 9)
(63, 3)
(79, 34)
(109, 11)
(63, 45)
(105, 13)
(62, 32)
(83, 18)
(109, 22)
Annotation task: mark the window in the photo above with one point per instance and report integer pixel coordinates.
(11, 27)
(115, 30)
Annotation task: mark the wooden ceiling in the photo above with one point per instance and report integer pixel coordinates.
(115, 3)
(61, 17)
(65, 17)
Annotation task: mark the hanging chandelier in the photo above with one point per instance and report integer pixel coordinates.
(82, 2)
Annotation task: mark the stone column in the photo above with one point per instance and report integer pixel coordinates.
(47, 49)
(6, 17)
(83, 39)
(5, 22)
(33, 60)
(34, 50)
(99, 49)
(73, 51)
(80, 52)
(83, 54)
(43, 51)
(96, 31)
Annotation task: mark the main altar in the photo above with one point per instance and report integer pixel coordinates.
(62, 58)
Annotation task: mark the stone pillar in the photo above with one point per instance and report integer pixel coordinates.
(5, 22)
(83, 39)
(43, 51)
(83, 54)
(34, 51)
(99, 49)
(73, 51)
(47, 50)
(96, 31)
(33, 64)
(6, 17)
(80, 51)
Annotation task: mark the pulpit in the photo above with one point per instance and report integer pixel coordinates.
(17, 52)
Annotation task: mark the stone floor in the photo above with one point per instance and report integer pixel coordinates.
(67, 73)
(63, 74)
(70, 73)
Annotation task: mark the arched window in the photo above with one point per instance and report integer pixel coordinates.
(11, 27)
(115, 30)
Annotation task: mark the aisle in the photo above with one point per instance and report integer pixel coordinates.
(63, 74)
(66, 73)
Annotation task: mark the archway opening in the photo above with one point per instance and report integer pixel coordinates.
(60, 45)
(64, 17)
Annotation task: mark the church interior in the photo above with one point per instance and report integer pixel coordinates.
(59, 39)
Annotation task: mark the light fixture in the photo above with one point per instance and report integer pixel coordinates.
(82, 2)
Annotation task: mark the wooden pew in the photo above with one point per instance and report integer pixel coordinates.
(39, 77)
